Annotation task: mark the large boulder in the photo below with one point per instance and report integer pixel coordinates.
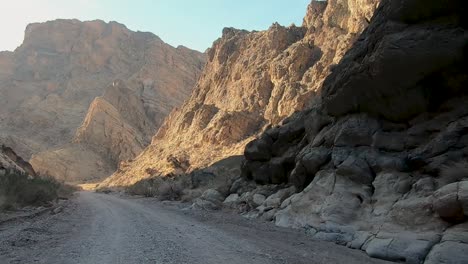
(275, 200)
(308, 163)
(451, 201)
(448, 252)
(407, 249)
(259, 150)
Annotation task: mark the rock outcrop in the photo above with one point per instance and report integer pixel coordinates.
(116, 128)
(380, 159)
(48, 83)
(252, 80)
(62, 70)
(11, 162)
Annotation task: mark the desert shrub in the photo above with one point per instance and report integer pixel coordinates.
(189, 195)
(172, 189)
(164, 188)
(454, 172)
(19, 189)
(143, 187)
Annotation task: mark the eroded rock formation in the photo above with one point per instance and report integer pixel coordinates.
(116, 128)
(251, 80)
(380, 160)
(50, 81)
(11, 162)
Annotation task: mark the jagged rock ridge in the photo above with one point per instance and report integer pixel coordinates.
(251, 80)
(62, 70)
(48, 83)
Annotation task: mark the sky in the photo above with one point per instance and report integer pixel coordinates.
(192, 23)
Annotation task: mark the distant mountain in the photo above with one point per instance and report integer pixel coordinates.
(252, 80)
(49, 82)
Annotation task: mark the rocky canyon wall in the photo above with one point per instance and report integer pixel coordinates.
(55, 104)
(379, 162)
(252, 80)
(373, 152)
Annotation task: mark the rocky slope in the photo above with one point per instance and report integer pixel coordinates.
(377, 161)
(116, 128)
(62, 70)
(48, 83)
(251, 80)
(380, 161)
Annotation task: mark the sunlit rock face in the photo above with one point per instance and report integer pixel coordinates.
(50, 83)
(251, 80)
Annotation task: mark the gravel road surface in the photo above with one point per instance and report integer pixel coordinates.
(100, 228)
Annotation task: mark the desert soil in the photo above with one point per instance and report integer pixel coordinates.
(102, 228)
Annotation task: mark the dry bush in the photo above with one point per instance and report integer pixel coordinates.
(18, 189)
(165, 188)
(170, 190)
(190, 195)
(144, 188)
(454, 172)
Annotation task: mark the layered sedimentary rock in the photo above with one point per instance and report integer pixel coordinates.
(380, 159)
(251, 80)
(116, 128)
(48, 83)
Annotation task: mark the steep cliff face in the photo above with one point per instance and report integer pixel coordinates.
(48, 83)
(251, 80)
(116, 128)
(380, 159)
(116, 124)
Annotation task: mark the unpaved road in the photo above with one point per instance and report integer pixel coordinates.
(99, 228)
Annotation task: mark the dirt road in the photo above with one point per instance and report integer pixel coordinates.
(99, 228)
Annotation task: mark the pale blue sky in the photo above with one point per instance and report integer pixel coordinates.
(192, 23)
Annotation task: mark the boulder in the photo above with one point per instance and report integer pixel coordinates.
(269, 215)
(312, 159)
(451, 201)
(232, 199)
(259, 149)
(258, 199)
(205, 205)
(241, 186)
(277, 198)
(448, 252)
(402, 249)
(309, 162)
(213, 196)
(457, 233)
